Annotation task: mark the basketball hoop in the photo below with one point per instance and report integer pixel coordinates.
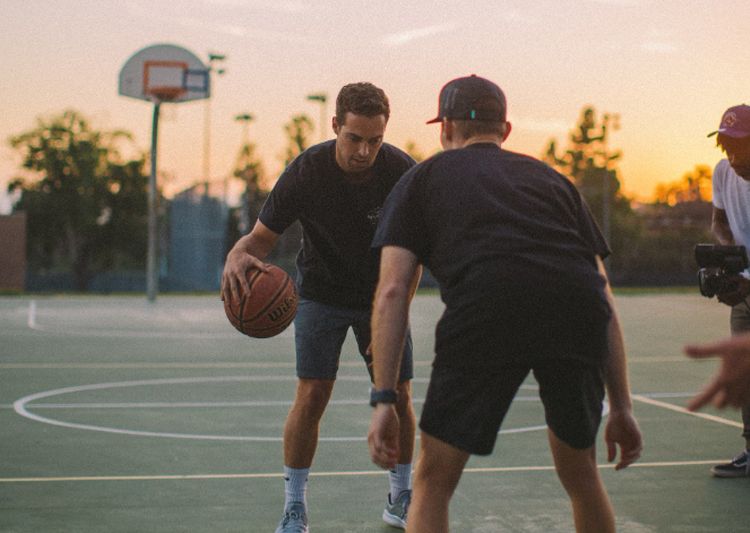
(165, 93)
(165, 73)
(156, 74)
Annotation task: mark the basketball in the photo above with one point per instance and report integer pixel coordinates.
(270, 308)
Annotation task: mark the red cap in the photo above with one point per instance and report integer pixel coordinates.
(735, 122)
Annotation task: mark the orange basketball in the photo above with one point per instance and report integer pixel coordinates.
(271, 306)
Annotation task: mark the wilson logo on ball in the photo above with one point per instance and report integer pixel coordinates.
(283, 310)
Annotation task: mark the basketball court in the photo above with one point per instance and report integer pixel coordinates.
(124, 415)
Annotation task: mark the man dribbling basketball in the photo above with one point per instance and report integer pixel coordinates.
(336, 190)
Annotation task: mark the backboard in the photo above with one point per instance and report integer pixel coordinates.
(165, 73)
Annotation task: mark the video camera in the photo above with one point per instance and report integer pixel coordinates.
(718, 265)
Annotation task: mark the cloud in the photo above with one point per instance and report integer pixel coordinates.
(659, 47)
(286, 6)
(234, 30)
(620, 2)
(202, 24)
(659, 41)
(399, 39)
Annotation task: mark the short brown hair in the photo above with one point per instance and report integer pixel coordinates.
(361, 99)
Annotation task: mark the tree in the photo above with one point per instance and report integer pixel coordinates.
(586, 151)
(87, 210)
(413, 150)
(591, 166)
(298, 133)
(679, 219)
(694, 186)
(249, 169)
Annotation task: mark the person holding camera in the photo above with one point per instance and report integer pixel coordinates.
(731, 225)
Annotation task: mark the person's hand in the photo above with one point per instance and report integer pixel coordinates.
(622, 430)
(383, 436)
(738, 295)
(730, 386)
(234, 277)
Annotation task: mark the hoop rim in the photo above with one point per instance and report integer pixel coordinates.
(165, 93)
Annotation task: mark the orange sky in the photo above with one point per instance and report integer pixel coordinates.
(669, 69)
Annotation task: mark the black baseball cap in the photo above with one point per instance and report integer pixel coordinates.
(457, 99)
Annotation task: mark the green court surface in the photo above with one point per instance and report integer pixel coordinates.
(120, 415)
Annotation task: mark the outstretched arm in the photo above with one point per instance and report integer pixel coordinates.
(390, 320)
(731, 383)
(622, 429)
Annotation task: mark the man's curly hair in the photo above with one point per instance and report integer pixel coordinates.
(361, 99)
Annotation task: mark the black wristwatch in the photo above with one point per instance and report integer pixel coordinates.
(383, 396)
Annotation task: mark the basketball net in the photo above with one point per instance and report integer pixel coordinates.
(165, 93)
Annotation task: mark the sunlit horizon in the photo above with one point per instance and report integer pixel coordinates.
(662, 67)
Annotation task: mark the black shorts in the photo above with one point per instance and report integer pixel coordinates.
(465, 408)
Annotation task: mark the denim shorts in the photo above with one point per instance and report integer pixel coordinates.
(319, 334)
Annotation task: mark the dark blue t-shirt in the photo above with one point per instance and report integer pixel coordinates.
(336, 264)
(510, 241)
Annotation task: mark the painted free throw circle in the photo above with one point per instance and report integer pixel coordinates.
(22, 406)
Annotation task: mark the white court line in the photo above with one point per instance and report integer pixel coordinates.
(23, 405)
(329, 474)
(174, 405)
(94, 366)
(31, 322)
(679, 409)
(20, 406)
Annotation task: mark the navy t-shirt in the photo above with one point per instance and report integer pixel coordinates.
(513, 246)
(336, 264)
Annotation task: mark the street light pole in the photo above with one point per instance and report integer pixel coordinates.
(322, 98)
(245, 118)
(152, 268)
(212, 58)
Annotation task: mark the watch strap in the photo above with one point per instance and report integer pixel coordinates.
(383, 396)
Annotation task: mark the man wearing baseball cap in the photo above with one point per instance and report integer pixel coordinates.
(518, 257)
(731, 225)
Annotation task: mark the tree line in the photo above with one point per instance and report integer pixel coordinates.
(86, 205)
(652, 244)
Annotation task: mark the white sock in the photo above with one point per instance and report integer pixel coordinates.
(295, 485)
(400, 479)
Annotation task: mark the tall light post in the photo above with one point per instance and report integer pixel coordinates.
(212, 58)
(245, 118)
(322, 98)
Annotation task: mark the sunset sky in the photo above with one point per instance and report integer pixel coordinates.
(668, 68)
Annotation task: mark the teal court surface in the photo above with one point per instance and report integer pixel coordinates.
(120, 415)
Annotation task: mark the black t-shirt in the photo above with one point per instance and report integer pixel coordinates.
(336, 264)
(510, 241)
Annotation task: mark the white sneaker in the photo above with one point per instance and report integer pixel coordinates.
(294, 519)
(395, 512)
